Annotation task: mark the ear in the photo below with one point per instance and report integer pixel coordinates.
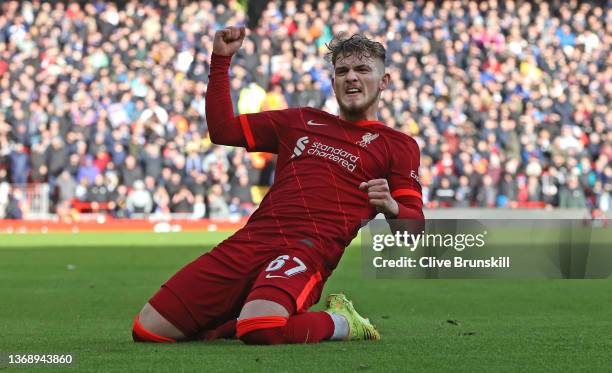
(384, 82)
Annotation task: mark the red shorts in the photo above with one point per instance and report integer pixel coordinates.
(212, 289)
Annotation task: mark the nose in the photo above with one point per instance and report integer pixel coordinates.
(351, 75)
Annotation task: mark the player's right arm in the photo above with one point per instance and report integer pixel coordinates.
(256, 132)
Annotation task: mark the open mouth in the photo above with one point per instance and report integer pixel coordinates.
(351, 92)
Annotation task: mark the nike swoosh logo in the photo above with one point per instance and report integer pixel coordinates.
(273, 276)
(311, 123)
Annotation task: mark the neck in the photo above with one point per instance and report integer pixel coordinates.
(369, 114)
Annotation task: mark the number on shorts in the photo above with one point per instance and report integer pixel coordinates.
(280, 262)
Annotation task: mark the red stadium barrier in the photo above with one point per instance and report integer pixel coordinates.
(531, 204)
(81, 206)
(119, 225)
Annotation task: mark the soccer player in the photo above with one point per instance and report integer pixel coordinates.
(332, 173)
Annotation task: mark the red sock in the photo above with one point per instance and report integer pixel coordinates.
(223, 331)
(307, 327)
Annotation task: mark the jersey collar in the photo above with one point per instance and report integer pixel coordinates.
(362, 123)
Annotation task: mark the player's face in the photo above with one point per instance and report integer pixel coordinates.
(358, 83)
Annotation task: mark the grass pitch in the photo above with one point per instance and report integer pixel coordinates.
(79, 293)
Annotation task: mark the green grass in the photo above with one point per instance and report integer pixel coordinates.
(498, 325)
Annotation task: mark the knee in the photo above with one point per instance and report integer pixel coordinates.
(142, 334)
(263, 318)
(147, 315)
(150, 326)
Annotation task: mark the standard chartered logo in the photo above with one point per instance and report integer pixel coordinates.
(299, 146)
(334, 154)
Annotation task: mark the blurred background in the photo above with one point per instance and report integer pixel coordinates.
(102, 103)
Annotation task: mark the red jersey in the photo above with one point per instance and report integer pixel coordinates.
(322, 160)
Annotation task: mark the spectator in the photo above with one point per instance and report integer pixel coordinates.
(139, 200)
(444, 193)
(175, 184)
(463, 195)
(235, 211)
(487, 195)
(20, 167)
(16, 205)
(74, 164)
(87, 170)
(66, 189)
(98, 193)
(182, 201)
(216, 161)
(534, 190)
(508, 191)
(199, 207)
(274, 99)
(251, 99)
(152, 161)
(162, 202)
(572, 196)
(118, 153)
(118, 205)
(81, 189)
(198, 184)
(242, 191)
(217, 207)
(38, 164)
(131, 172)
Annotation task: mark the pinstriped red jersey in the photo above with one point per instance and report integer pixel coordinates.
(322, 159)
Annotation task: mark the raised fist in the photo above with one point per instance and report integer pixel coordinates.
(228, 40)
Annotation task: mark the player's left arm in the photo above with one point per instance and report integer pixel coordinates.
(399, 207)
(398, 196)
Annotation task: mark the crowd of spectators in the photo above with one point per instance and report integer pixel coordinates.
(508, 100)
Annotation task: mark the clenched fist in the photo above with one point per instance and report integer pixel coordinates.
(228, 40)
(379, 196)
